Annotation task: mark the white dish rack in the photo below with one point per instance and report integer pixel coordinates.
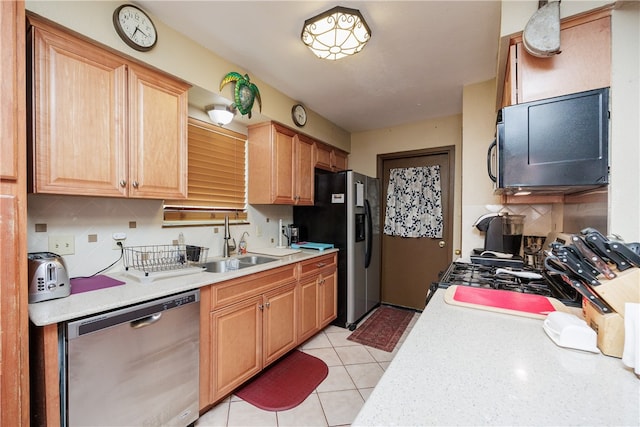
(153, 262)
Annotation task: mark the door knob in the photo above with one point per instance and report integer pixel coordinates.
(442, 243)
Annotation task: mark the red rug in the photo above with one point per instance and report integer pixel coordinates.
(383, 328)
(286, 384)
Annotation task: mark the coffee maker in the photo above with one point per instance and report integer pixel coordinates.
(503, 238)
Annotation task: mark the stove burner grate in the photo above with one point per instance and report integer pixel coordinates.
(484, 276)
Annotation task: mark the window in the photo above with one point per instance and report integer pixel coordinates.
(217, 178)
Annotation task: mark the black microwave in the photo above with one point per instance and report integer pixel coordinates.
(554, 145)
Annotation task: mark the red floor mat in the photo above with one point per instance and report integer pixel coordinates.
(286, 384)
(383, 329)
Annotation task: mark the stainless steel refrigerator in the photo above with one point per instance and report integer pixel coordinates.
(346, 212)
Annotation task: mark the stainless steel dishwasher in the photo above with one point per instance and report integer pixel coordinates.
(135, 366)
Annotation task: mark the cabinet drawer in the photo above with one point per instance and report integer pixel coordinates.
(314, 265)
(235, 290)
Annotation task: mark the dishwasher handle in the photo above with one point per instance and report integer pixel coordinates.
(145, 321)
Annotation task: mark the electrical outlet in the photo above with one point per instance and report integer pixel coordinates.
(118, 238)
(62, 245)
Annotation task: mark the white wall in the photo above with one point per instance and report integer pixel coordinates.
(103, 216)
(478, 130)
(624, 192)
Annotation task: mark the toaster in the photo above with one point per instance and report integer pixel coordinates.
(48, 278)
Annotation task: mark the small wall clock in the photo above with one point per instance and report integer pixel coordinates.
(299, 115)
(135, 27)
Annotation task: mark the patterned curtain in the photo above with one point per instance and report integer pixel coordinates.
(414, 203)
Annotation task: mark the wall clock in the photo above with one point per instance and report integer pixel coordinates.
(299, 115)
(135, 27)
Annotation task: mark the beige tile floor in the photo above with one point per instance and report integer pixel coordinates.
(354, 370)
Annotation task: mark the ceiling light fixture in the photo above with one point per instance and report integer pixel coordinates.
(220, 114)
(336, 33)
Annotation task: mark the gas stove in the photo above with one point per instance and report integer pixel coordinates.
(487, 276)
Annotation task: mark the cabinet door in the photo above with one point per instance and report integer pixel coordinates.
(158, 135)
(78, 117)
(304, 171)
(308, 308)
(15, 348)
(322, 156)
(584, 64)
(279, 322)
(328, 298)
(339, 160)
(283, 165)
(236, 345)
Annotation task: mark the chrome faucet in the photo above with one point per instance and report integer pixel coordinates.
(227, 248)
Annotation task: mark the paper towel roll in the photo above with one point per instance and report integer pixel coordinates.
(280, 243)
(631, 351)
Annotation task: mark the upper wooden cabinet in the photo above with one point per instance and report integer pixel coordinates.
(102, 125)
(584, 63)
(329, 158)
(280, 166)
(282, 163)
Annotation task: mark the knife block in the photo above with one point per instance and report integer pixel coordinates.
(610, 327)
(622, 289)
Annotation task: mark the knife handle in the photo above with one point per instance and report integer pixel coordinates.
(591, 257)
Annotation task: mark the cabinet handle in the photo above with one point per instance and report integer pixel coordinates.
(135, 184)
(268, 304)
(321, 264)
(123, 183)
(261, 307)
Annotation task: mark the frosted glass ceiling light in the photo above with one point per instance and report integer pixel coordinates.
(336, 33)
(220, 114)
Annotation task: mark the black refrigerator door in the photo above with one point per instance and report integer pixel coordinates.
(326, 222)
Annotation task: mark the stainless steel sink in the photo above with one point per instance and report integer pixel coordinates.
(236, 263)
(255, 259)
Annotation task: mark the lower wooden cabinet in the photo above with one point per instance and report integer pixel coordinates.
(249, 335)
(250, 322)
(236, 345)
(317, 304)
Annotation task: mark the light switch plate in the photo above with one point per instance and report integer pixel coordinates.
(62, 245)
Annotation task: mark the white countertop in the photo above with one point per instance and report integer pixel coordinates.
(464, 366)
(135, 291)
